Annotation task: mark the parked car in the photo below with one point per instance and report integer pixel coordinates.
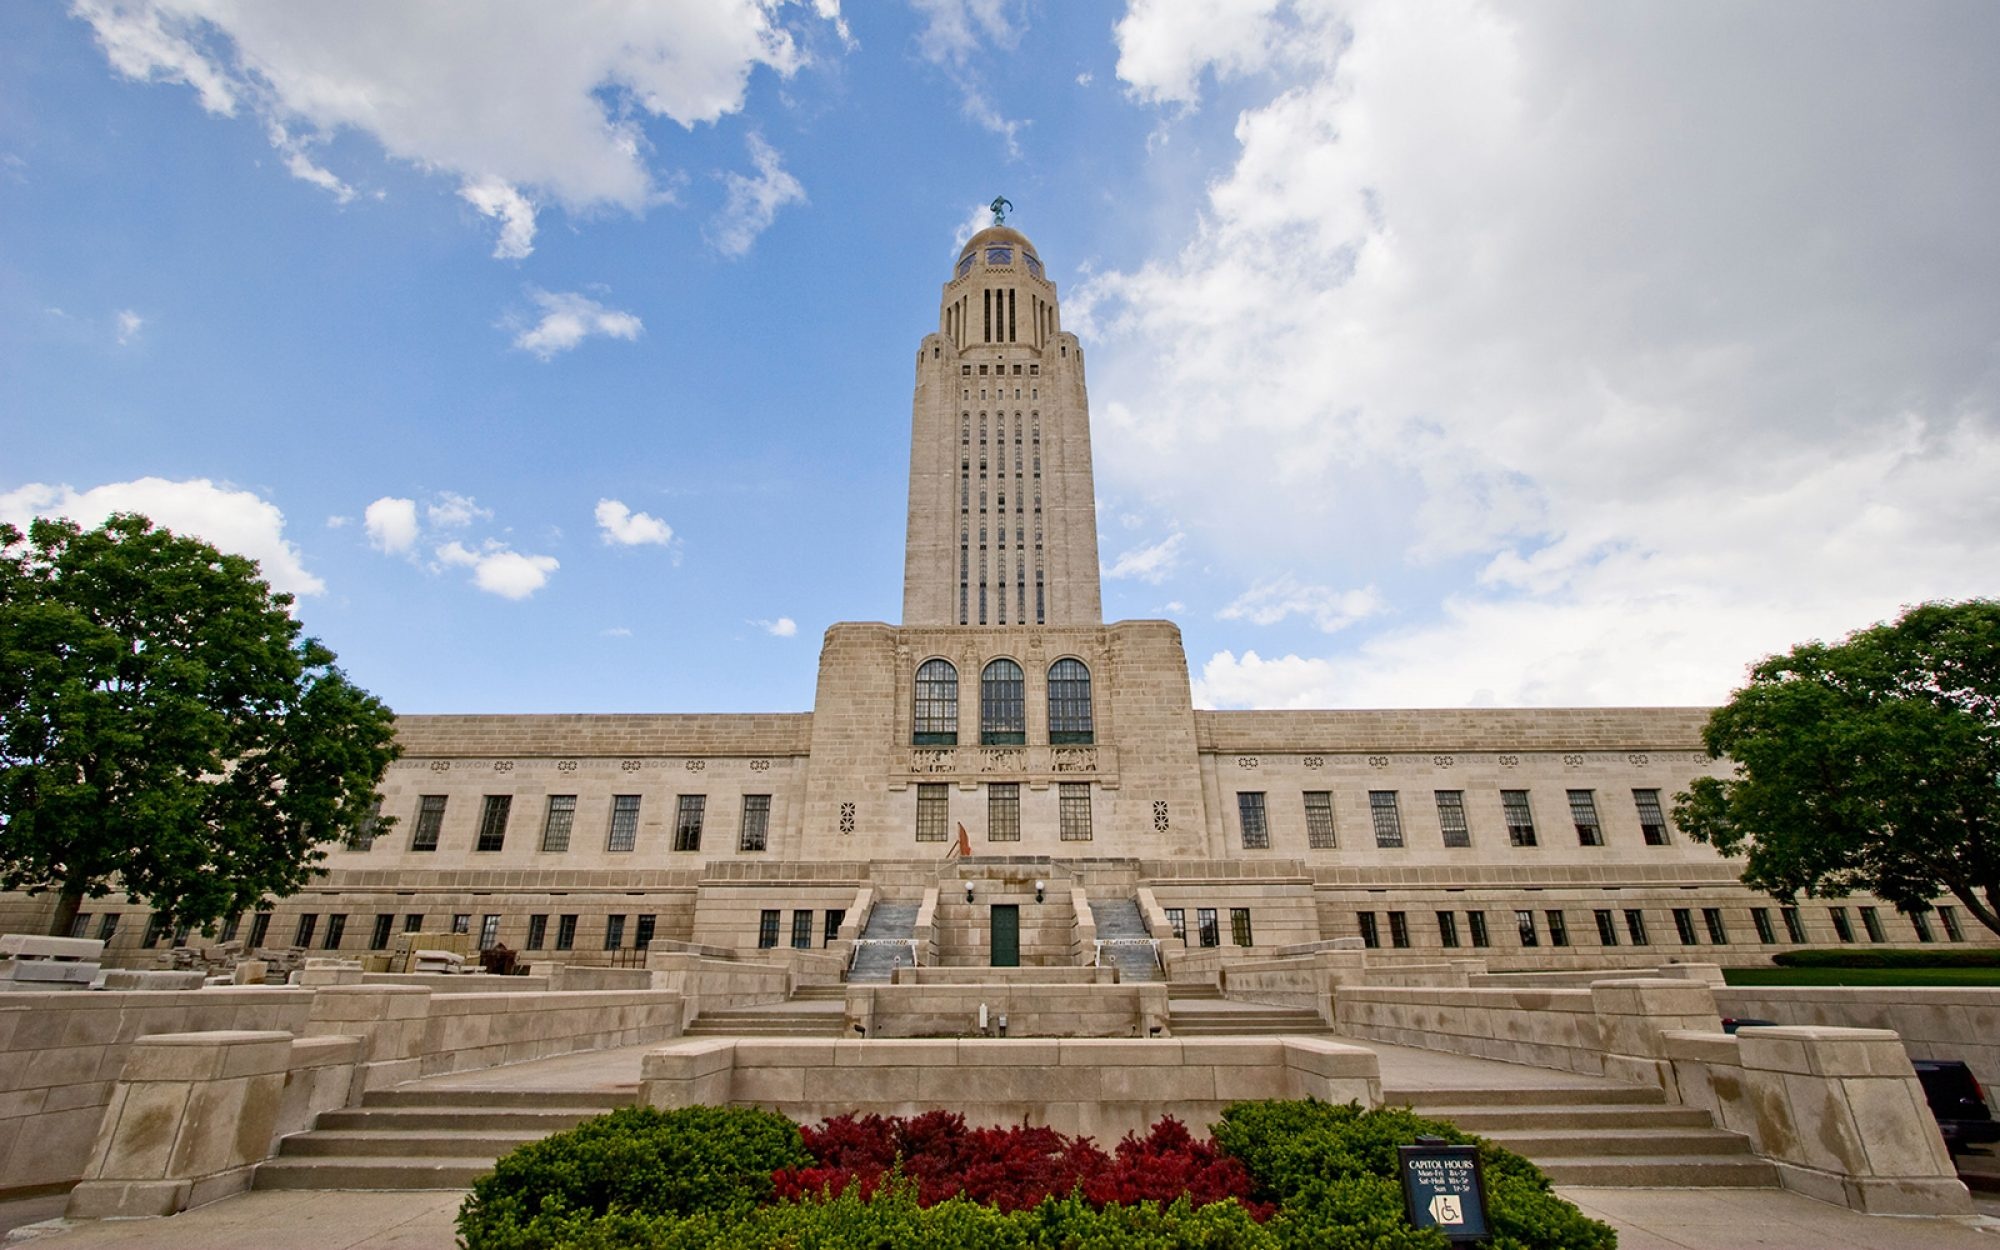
(1958, 1104)
(1732, 1023)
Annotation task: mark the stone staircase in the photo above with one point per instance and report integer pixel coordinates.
(820, 994)
(876, 961)
(425, 1138)
(1626, 1137)
(1127, 949)
(1247, 1020)
(773, 1021)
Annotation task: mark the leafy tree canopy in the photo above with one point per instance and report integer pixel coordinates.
(1870, 764)
(165, 731)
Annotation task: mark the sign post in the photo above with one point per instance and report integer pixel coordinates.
(1444, 1188)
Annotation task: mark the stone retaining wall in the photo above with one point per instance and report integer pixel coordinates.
(1047, 1009)
(1942, 1022)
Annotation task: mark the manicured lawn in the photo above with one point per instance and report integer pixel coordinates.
(1861, 976)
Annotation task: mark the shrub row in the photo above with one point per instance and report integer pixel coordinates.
(1877, 958)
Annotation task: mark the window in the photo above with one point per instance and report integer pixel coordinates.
(624, 832)
(1448, 929)
(1204, 919)
(687, 821)
(379, 939)
(229, 930)
(756, 832)
(1371, 937)
(1635, 926)
(1684, 926)
(260, 929)
(1872, 922)
(565, 933)
(493, 822)
(489, 932)
(1399, 930)
(556, 823)
(1239, 926)
(1074, 810)
(1607, 927)
(1711, 918)
(1583, 811)
(1652, 821)
(1525, 922)
(336, 929)
(1451, 818)
(802, 930)
(301, 936)
(1760, 920)
(462, 922)
(936, 721)
(1795, 927)
(1558, 929)
(835, 917)
(1069, 702)
(1842, 929)
(767, 929)
(1177, 921)
(1475, 924)
(1520, 819)
(1922, 924)
(1950, 917)
(1388, 819)
(109, 926)
(614, 932)
(643, 937)
(1319, 819)
(430, 819)
(1250, 813)
(1003, 708)
(538, 931)
(414, 922)
(1003, 811)
(79, 925)
(363, 836)
(932, 811)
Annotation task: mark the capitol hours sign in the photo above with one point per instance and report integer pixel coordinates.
(1443, 1188)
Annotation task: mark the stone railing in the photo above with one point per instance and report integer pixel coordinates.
(1032, 1009)
(716, 984)
(1942, 1022)
(925, 930)
(1309, 982)
(1083, 931)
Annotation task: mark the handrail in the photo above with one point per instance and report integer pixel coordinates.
(1097, 955)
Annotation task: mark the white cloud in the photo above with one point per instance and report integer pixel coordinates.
(499, 569)
(338, 522)
(129, 325)
(1150, 563)
(494, 198)
(980, 217)
(753, 203)
(1570, 328)
(568, 318)
(1330, 610)
(391, 524)
(302, 167)
(615, 631)
(234, 520)
(451, 510)
(783, 627)
(957, 36)
(622, 527)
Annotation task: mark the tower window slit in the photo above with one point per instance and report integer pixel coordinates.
(1010, 314)
(989, 320)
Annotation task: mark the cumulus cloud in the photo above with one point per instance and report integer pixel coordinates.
(1151, 563)
(499, 569)
(129, 325)
(783, 627)
(1584, 332)
(494, 198)
(1330, 610)
(568, 318)
(753, 203)
(234, 520)
(391, 524)
(451, 510)
(619, 526)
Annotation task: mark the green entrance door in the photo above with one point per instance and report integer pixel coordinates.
(1006, 935)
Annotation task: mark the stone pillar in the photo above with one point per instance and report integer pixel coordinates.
(190, 1116)
(688, 1074)
(390, 1020)
(1632, 1017)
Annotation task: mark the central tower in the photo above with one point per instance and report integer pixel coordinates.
(1003, 512)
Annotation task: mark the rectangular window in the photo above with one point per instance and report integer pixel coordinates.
(835, 917)
(642, 938)
(1003, 811)
(109, 926)
(1073, 810)
(933, 811)
(1387, 816)
(538, 931)
(1872, 922)
(1684, 926)
(1177, 921)
(430, 819)
(1949, 915)
(1760, 920)
(802, 930)
(379, 939)
(1583, 811)
(1399, 930)
(1652, 821)
(489, 932)
(1239, 926)
(1607, 927)
(1842, 928)
(362, 838)
(1475, 924)
(557, 822)
(1250, 814)
(756, 832)
(462, 922)
(414, 922)
(1204, 919)
(1635, 926)
(1520, 818)
(1525, 922)
(260, 929)
(767, 929)
(565, 933)
(229, 930)
(1448, 929)
(1319, 819)
(1711, 919)
(1795, 925)
(624, 832)
(1922, 924)
(303, 934)
(1370, 936)
(614, 932)
(79, 925)
(1451, 818)
(687, 822)
(1558, 928)
(493, 822)
(336, 929)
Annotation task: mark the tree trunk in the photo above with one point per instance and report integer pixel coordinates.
(68, 903)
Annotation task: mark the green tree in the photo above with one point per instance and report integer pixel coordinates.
(165, 730)
(1870, 764)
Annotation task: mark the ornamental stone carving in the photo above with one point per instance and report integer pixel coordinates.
(933, 761)
(1003, 760)
(1073, 760)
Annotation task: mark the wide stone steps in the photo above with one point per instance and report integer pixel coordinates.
(876, 958)
(1267, 1022)
(820, 994)
(766, 1024)
(1195, 991)
(1123, 930)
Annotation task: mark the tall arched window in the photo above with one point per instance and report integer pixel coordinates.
(1069, 702)
(1003, 709)
(936, 721)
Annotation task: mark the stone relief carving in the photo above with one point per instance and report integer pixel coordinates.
(1073, 760)
(1003, 760)
(847, 818)
(933, 761)
(1160, 815)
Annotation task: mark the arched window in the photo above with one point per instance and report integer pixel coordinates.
(1069, 702)
(936, 723)
(1003, 709)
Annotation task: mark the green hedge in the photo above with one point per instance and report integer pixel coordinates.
(1867, 957)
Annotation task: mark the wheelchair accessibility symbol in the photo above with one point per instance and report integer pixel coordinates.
(1445, 1209)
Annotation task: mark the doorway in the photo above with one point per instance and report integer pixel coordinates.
(1006, 935)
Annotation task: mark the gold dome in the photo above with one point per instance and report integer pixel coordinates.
(996, 234)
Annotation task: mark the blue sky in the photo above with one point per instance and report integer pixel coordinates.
(1441, 354)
